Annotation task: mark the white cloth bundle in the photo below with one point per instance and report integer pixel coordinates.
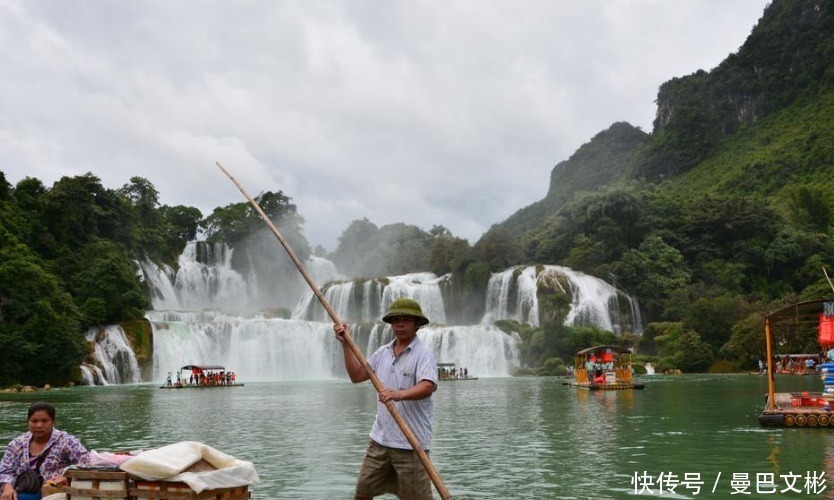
(169, 463)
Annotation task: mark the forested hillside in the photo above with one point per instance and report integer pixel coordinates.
(725, 210)
(68, 262)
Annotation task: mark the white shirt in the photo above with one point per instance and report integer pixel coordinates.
(415, 364)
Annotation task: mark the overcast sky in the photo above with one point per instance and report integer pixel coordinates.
(422, 112)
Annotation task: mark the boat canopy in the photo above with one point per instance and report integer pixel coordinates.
(445, 364)
(807, 311)
(802, 319)
(203, 368)
(601, 348)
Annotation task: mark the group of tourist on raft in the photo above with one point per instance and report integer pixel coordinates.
(203, 378)
(452, 373)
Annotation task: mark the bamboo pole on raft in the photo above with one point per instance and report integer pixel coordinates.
(827, 278)
(409, 435)
(771, 390)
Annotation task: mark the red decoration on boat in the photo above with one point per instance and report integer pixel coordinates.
(826, 330)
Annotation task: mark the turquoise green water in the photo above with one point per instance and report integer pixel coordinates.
(494, 438)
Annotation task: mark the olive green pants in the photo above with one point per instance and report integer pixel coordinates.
(390, 470)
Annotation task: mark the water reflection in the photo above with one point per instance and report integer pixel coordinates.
(495, 438)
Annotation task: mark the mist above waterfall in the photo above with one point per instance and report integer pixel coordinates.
(241, 281)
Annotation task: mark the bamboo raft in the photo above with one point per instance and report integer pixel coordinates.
(616, 386)
(797, 410)
(785, 327)
(198, 372)
(618, 376)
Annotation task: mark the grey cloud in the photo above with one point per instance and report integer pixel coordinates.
(426, 113)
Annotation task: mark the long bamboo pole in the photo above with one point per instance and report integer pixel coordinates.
(357, 352)
(771, 390)
(827, 278)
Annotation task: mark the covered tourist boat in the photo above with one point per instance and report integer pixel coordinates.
(450, 371)
(604, 368)
(790, 328)
(201, 376)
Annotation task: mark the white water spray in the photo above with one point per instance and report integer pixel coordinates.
(202, 316)
(115, 362)
(593, 301)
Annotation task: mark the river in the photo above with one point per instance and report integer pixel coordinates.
(499, 438)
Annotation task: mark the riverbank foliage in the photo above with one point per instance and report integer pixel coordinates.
(67, 263)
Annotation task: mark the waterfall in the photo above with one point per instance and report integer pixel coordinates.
(189, 327)
(593, 301)
(485, 350)
(499, 290)
(277, 349)
(114, 360)
(596, 303)
(92, 375)
(257, 349)
(368, 300)
(206, 312)
(204, 279)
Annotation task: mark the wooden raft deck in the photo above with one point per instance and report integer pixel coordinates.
(618, 386)
(796, 410)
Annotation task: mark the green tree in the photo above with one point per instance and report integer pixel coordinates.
(145, 198)
(498, 249)
(367, 250)
(449, 254)
(654, 271)
(746, 344)
(357, 244)
(39, 323)
(712, 318)
(106, 286)
(809, 207)
(237, 221)
(683, 349)
(182, 224)
(74, 208)
(230, 224)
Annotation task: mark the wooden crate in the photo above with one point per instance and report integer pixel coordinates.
(165, 490)
(85, 484)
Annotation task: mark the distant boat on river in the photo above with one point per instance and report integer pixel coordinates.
(201, 377)
(603, 368)
(450, 371)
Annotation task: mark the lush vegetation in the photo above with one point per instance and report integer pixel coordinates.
(66, 264)
(723, 212)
